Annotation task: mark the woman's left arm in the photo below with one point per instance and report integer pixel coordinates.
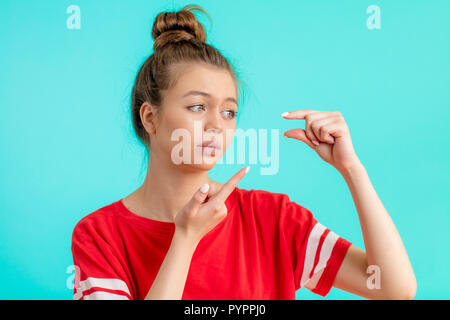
(385, 253)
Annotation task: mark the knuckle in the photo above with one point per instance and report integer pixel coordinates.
(221, 214)
(308, 118)
(322, 132)
(198, 197)
(187, 214)
(221, 209)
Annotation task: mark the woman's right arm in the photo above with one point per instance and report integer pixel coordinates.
(191, 224)
(171, 278)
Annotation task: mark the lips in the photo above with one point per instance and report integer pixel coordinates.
(210, 144)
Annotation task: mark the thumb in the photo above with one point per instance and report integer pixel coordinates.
(299, 134)
(198, 198)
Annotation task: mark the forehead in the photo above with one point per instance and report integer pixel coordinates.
(218, 82)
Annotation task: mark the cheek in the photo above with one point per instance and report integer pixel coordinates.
(228, 136)
(175, 125)
(180, 133)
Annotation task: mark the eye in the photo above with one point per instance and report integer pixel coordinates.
(193, 108)
(231, 114)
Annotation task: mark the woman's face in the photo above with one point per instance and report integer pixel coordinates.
(200, 107)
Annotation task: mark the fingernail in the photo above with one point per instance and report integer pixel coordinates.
(204, 188)
(247, 169)
(284, 114)
(315, 142)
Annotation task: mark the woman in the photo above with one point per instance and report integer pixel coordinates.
(182, 235)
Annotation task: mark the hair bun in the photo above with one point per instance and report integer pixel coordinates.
(171, 27)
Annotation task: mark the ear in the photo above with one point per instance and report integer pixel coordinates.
(148, 117)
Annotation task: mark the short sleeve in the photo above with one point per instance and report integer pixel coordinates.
(99, 274)
(315, 251)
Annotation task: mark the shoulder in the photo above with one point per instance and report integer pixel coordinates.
(268, 201)
(262, 200)
(96, 222)
(261, 197)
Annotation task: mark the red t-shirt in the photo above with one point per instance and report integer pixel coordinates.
(267, 247)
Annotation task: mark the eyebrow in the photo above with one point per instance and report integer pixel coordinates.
(201, 93)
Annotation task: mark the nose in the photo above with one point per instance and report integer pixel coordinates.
(213, 122)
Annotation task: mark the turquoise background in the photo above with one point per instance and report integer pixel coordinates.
(67, 145)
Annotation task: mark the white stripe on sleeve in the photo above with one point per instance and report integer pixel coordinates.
(102, 295)
(77, 295)
(325, 253)
(311, 249)
(312, 283)
(105, 283)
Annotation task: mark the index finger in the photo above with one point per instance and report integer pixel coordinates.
(228, 187)
(298, 114)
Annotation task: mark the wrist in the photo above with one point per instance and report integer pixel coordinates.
(182, 238)
(351, 171)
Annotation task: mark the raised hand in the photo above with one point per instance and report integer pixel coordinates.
(327, 133)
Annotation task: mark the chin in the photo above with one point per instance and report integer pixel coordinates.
(206, 163)
(198, 160)
(196, 167)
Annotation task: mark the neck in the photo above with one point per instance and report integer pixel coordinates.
(168, 187)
